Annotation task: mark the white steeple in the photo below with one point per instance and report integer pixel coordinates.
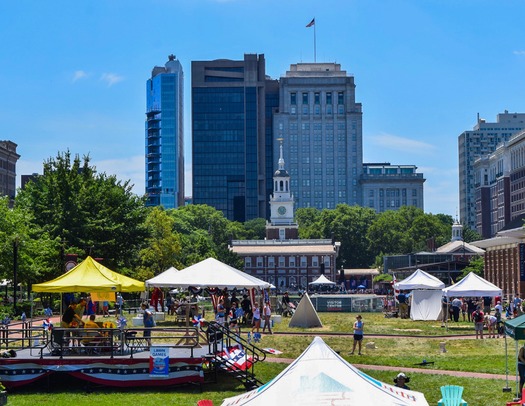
(457, 231)
(281, 201)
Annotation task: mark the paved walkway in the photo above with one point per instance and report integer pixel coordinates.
(414, 370)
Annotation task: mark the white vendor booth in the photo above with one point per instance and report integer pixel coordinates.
(426, 295)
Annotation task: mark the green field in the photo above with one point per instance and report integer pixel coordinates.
(396, 349)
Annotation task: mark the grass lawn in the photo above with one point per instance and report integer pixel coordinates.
(465, 354)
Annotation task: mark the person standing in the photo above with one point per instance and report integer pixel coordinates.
(456, 308)
(120, 303)
(517, 305)
(444, 310)
(521, 368)
(358, 334)
(256, 323)
(478, 318)
(267, 313)
(148, 321)
(403, 305)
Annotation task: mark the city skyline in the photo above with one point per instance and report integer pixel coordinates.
(73, 75)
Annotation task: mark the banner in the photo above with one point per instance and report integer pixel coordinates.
(159, 362)
(103, 296)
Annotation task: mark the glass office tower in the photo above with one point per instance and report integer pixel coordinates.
(165, 136)
(229, 139)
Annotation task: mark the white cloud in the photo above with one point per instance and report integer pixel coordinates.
(79, 74)
(519, 52)
(111, 78)
(394, 142)
(131, 168)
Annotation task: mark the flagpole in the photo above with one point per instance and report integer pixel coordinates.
(315, 50)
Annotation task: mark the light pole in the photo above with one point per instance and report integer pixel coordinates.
(15, 270)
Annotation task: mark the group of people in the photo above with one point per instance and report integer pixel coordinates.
(477, 311)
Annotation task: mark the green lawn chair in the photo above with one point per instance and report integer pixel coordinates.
(451, 396)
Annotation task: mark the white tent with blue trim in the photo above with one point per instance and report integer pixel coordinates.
(322, 377)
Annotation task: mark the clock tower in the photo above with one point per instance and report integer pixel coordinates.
(281, 201)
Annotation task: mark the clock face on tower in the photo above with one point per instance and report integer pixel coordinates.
(281, 210)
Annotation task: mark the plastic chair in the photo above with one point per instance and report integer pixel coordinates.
(205, 402)
(452, 396)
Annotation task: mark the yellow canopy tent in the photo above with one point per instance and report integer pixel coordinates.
(90, 276)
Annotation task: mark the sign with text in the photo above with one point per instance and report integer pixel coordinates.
(103, 296)
(159, 362)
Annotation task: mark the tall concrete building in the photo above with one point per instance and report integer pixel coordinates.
(500, 187)
(232, 102)
(321, 125)
(8, 159)
(480, 141)
(388, 187)
(165, 135)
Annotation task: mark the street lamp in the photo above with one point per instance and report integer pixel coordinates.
(15, 270)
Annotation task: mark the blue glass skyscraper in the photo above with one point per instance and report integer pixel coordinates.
(165, 136)
(230, 142)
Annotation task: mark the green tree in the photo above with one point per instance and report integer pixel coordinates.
(37, 252)
(216, 229)
(255, 229)
(307, 219)
(349, 225)
(476, 265)
(470, 235)
(86, 211)
(163, 245)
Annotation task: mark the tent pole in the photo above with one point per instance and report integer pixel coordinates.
(506, 388)
(517, 382)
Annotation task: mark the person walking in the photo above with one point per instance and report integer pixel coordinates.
(358, 334)
(267, 313)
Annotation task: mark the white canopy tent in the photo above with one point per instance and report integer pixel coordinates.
(162, 280)
(322, 280)
(426, 295)
(472, 285)
(319, 376)
(419, 280)
(214, 273)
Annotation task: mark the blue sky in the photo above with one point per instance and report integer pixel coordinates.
(73, 74)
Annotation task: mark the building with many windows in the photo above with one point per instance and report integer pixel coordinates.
(481, 141)
(500, 186)
(165, 135)
(388, 187)
(8, 159)
(321, 125)
(232, 103)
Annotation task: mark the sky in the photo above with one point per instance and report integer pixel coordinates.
(73, 74)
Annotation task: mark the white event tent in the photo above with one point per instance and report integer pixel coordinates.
(320, 376)
(322, 280)
(426, 295)
(213, 273)
(162, 280)
(472, 285)
(419, 280)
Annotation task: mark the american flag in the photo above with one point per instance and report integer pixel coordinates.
(311, 23)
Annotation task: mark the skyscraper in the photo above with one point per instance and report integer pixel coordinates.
(321, 125)
(8, 159)
(481, 141)
(165, 135)
(230, 141)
